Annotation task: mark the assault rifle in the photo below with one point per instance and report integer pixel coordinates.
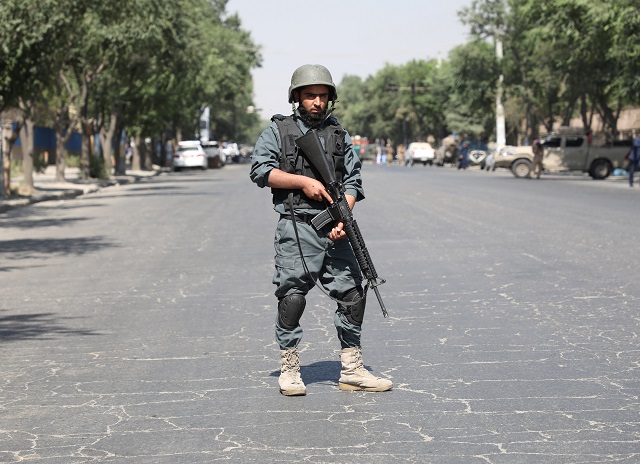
(339, 210)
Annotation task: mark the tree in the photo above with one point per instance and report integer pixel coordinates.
(32, 32)
(471, 75)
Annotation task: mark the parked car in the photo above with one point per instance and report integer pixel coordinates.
(215, 157)
(230, 149)
(190, 154)
(420, 152)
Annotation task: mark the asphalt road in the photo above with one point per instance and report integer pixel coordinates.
(136, 325)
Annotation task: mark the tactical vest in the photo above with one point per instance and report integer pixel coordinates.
(293, 161)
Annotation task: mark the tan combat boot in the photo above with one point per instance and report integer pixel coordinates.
(290, 381)
(354, 376)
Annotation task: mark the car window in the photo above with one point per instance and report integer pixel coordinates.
(188, 149)
(574, 141)
(553, 142)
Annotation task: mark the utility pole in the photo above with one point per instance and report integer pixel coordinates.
(2, 188)
(501, 139)
(413, 88)
(205, 124)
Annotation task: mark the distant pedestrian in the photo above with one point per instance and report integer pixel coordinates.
(378, 151)
(538, 152)
(389, 153)
(634, 158)
(401, 151)
(463, 155)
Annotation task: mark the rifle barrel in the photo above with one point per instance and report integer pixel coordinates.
(384, 310)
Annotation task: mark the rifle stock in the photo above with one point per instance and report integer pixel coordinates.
(339, 210)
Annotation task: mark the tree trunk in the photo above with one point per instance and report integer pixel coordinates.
(85, 154)
(61, 156)
(135, 155)
(106, 142)
(568, 114)
(163, 151)
(151, 155)
(583, 112)
(609, 115)
(120, 156)
(26, 143)
(6, 157)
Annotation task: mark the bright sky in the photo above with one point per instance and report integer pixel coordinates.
(349, 37)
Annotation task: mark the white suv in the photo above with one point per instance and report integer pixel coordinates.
(190, 154)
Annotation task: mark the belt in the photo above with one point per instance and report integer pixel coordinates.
(305, 218)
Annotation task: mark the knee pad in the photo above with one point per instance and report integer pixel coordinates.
(355, 311)
(290, 309)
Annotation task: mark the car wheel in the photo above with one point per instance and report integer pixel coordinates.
(600, 169)
(521, 168)
(176, 169)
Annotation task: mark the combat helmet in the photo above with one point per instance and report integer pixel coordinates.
(312, 74)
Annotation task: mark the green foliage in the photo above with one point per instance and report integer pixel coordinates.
(561, 55)
(472, 76)
(155, 65)
(97, 167)
(73, 161)
(29, 38)
(397, 103)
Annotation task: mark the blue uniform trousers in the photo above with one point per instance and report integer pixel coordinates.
(332, 263)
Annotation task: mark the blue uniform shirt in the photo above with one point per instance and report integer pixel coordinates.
(266, 154)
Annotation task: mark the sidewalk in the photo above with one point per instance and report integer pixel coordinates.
(46, 187)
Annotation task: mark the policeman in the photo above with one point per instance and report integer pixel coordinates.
(305, 256)
(538, 151)
(634, 158)
(463, 155)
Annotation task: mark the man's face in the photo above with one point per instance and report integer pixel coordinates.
(314, 98)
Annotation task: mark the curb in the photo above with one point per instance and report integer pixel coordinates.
(49, 194)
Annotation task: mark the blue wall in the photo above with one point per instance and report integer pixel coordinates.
(44, 138)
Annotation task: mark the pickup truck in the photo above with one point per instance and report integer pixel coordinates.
(565, 152)
(420, 152)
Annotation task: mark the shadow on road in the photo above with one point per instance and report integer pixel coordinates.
(318, 372)
(40, 223)
(41, 248)
(41, 326)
